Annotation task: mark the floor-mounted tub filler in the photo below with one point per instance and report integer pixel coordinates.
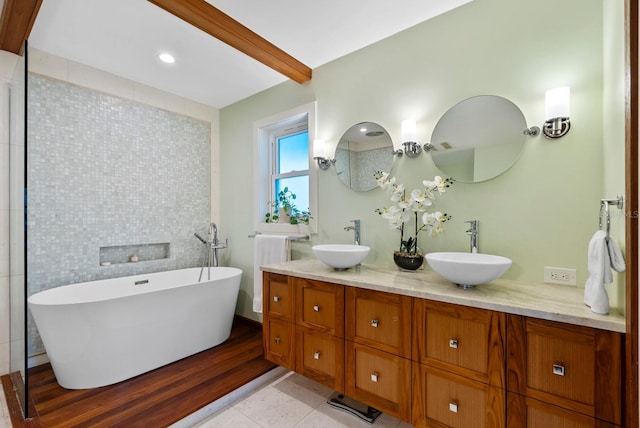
(103, 332)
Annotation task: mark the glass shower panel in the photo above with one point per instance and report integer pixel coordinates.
(17, 228)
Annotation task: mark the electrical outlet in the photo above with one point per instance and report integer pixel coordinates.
(553, 275)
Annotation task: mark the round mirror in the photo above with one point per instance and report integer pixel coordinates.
(364, 149)
(478, 138)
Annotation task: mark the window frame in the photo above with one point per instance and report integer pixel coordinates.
(263, 158)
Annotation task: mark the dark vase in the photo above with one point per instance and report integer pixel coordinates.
(407, 261)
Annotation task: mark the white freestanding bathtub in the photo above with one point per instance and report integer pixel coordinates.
(102, 332)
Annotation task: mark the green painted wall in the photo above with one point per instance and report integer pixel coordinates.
(541, 212)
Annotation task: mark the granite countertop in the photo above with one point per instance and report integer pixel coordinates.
(545, 301)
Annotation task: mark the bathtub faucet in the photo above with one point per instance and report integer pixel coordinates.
(213, 245)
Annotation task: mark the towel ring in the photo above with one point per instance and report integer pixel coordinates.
(606, 203)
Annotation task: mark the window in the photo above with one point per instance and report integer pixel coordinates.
(283, 159)
(291, 165)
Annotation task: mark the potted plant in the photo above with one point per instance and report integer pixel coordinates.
(406, 209)
(284, 210)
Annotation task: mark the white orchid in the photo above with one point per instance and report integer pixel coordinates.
(438, 184)
(418, 202)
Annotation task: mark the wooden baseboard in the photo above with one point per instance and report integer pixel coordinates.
(247, 321)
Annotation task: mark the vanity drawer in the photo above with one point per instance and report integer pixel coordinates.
(320, 306)
(320, 357)
(380, 320)
(379, 379)
(277, 339)
(277, 296)
(577, 368)
(463, 340)
(444, 399)
(527, 412)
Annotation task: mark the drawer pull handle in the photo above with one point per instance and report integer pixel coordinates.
(558, 370)
(316, 308)
(276, 298)
(453, 343)
(277, 340)
(316, 355)
(374, 323)
(453, 407)
(374, 377)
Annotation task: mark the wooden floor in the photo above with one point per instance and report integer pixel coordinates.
(155, 399)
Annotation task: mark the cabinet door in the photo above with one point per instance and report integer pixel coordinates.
(379, 320)
(526, 412)
(443, 399)
(277, 296)
(379, 379)
(320, 357)
(320, 306)
(277, 340)
(577, 368)
(463, 340)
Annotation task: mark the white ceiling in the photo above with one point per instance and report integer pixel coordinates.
(124, 37)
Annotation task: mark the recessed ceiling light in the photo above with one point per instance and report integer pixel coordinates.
(167, 58)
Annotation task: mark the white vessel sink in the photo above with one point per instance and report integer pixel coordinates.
(468, 269)
(340, 256)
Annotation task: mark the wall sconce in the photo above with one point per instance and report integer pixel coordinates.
(557, 122)
(411, 148)
(320, 155)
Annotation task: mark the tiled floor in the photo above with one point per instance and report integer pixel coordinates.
(291, 401)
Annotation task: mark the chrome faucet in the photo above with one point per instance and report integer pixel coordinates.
(356, 231)
(213, 245)
(473, 233)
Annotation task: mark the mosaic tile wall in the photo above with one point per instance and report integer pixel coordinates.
(362, 166)
(105, 172)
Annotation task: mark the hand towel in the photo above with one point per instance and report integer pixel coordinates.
(595, 295)
(267, 249)
(615, 256)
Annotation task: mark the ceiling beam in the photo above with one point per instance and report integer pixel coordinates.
(17, 20)
(212, 21)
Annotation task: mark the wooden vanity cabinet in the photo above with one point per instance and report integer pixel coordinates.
(440, 365)
(379, 320)
(278, 336)
(562, 372)
(458, 369)
(446, 399)
(378, 350)
(320, 332)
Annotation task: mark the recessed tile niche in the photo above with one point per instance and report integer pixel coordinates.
(133, 253)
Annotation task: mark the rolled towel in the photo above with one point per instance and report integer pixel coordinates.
(599, 265)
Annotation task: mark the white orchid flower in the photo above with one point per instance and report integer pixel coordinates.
(429, 219)
(440, 184)
(396, 220)
(421, 207)
(405, 203)
(397, 193)
(429, 184)
(389, 212)
(418, 195)
(384, 182)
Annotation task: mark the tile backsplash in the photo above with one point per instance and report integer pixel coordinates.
(109, 172)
